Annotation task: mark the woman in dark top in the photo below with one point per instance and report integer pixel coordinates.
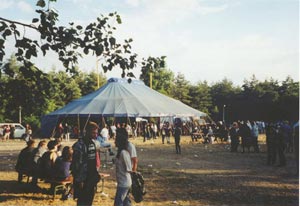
(62, 170)
(63, 163)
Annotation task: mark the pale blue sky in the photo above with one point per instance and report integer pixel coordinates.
(203, 39)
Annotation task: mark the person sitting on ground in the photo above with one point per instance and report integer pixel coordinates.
(48, 159)
(23, 165)
(36, 157)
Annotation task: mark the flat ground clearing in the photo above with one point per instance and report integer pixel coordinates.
(201, 175)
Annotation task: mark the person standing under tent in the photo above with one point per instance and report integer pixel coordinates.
(105, 132)
(113, 131)
(163, 133)
(168, 130)
(154, 129)
(67, 132)
(60, 130)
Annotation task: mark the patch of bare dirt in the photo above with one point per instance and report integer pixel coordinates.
(201, 175)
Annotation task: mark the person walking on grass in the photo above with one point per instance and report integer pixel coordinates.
(85, 162)
(177, 134)
(123, 169)
(234, 137)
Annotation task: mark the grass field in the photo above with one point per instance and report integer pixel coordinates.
(201, 175)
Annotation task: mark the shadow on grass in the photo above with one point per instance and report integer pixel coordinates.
(13, 190)
(214, 176)
(214, 189)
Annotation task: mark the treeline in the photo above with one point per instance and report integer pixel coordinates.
(268, 100)
(35, 93)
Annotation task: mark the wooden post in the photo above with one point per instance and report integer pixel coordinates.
(151, 79)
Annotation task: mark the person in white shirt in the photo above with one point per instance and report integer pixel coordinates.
(105, 133)
(113, 131)
(133, 155)
(123, 169)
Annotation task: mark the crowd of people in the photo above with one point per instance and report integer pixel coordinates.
(80, 164)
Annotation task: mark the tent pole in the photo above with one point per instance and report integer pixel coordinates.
(78, 123)
(54, 129)
(103, 123)
(86, 122)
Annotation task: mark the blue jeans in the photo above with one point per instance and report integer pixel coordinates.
(122, 197)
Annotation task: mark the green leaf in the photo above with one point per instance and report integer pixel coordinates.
(99, 50)
(119, 20)
(44, 48)
(28, 54)
(79, 27)
(112, 41)
(7, 32)
(20, 51)
(86, 50)
(41, 3)
(35, 20)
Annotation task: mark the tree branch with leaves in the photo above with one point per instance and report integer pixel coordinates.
(69, 42)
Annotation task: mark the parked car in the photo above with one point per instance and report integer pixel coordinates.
(20, 130)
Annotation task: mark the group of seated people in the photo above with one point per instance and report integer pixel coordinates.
(48, 161)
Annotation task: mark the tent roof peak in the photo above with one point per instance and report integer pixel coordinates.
(124, 80)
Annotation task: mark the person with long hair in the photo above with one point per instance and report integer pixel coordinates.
(123, 169)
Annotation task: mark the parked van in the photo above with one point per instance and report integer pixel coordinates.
(20, 130)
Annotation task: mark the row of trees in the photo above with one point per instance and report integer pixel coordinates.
(268, 100)
(37, 93)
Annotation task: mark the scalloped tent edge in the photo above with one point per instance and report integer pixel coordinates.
(118, 98)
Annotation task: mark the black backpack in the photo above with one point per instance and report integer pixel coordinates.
(138, 189)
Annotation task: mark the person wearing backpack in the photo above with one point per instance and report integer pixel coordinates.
(123, 169)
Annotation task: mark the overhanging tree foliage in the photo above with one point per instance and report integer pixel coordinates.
(68, 42)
